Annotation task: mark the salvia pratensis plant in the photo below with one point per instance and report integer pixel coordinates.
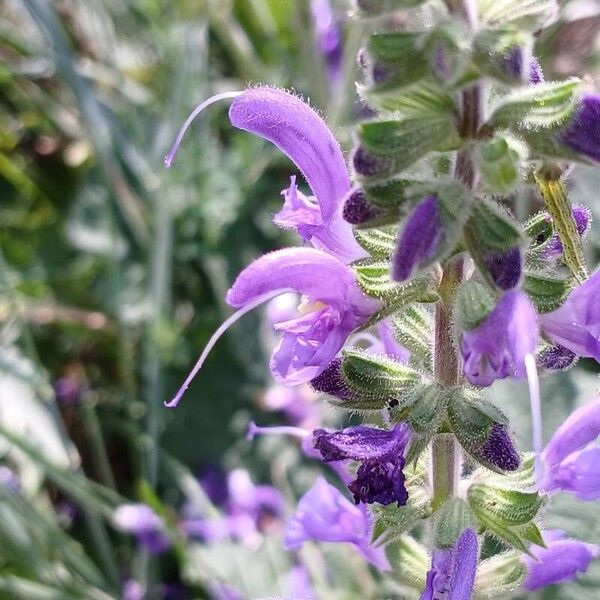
(411, 241)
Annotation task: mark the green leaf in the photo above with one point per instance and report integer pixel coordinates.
(474, 302)
(499, 162)
(377, 375)
(454, 517)
(542, 106)
(398, 58)
(378, 242)
(521, 14)
(414, 330)
(547, 293)
(499, 575)
(492, 48)
(371, 8)
(400, 143)
(491, 227)
(511, 507)
(392, 522)
(374, 279)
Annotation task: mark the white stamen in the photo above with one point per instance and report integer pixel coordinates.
(215, 338)
(216, 98)
(254, 429)
(536, 410)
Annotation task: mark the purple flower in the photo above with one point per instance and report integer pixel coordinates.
(497, 347)
(328, 37)
(381, 453)
(553, 247)
(335, 306)
(297, 403)
(248, 509)
(582, 134)
(452, 572)
(576, 324)
(9, 480)
(323, 514)
(331, 381)
(571, 460)
(141, 521)
(298, 131)
(560, 561)
(133, 590)
(422, 235)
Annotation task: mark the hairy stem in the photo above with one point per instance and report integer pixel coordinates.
(446, 462)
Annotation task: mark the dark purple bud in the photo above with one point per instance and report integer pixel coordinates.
(536, 75)
(420, 239)
(583, 132)
(505, 268)
(357, 209)
(361, 443)
(499, 449)
(556, 358)
(366, 164)
(380, 481)
(512, 63)
(331, 381)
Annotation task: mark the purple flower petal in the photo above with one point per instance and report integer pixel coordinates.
(576, 324)
(298, 131)
(419, 240)
(380, 481)
(324, 514)
(362, 442)
(307, 271)
(562, 560)
(581, 428)
(452, 572)
(579, 474)
(310, 342)
(498, 346)
(141, 521)
(583, 132)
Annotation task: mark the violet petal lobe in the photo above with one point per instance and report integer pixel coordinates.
(497, 347)
(361, 442)
(307, 271)
(580, 429)
(324, 514)
(562, 560)
(582, 134)
(576, 324)
(419, 239)
(452, 573)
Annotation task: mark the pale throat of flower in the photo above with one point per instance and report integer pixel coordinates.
(307, 305)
